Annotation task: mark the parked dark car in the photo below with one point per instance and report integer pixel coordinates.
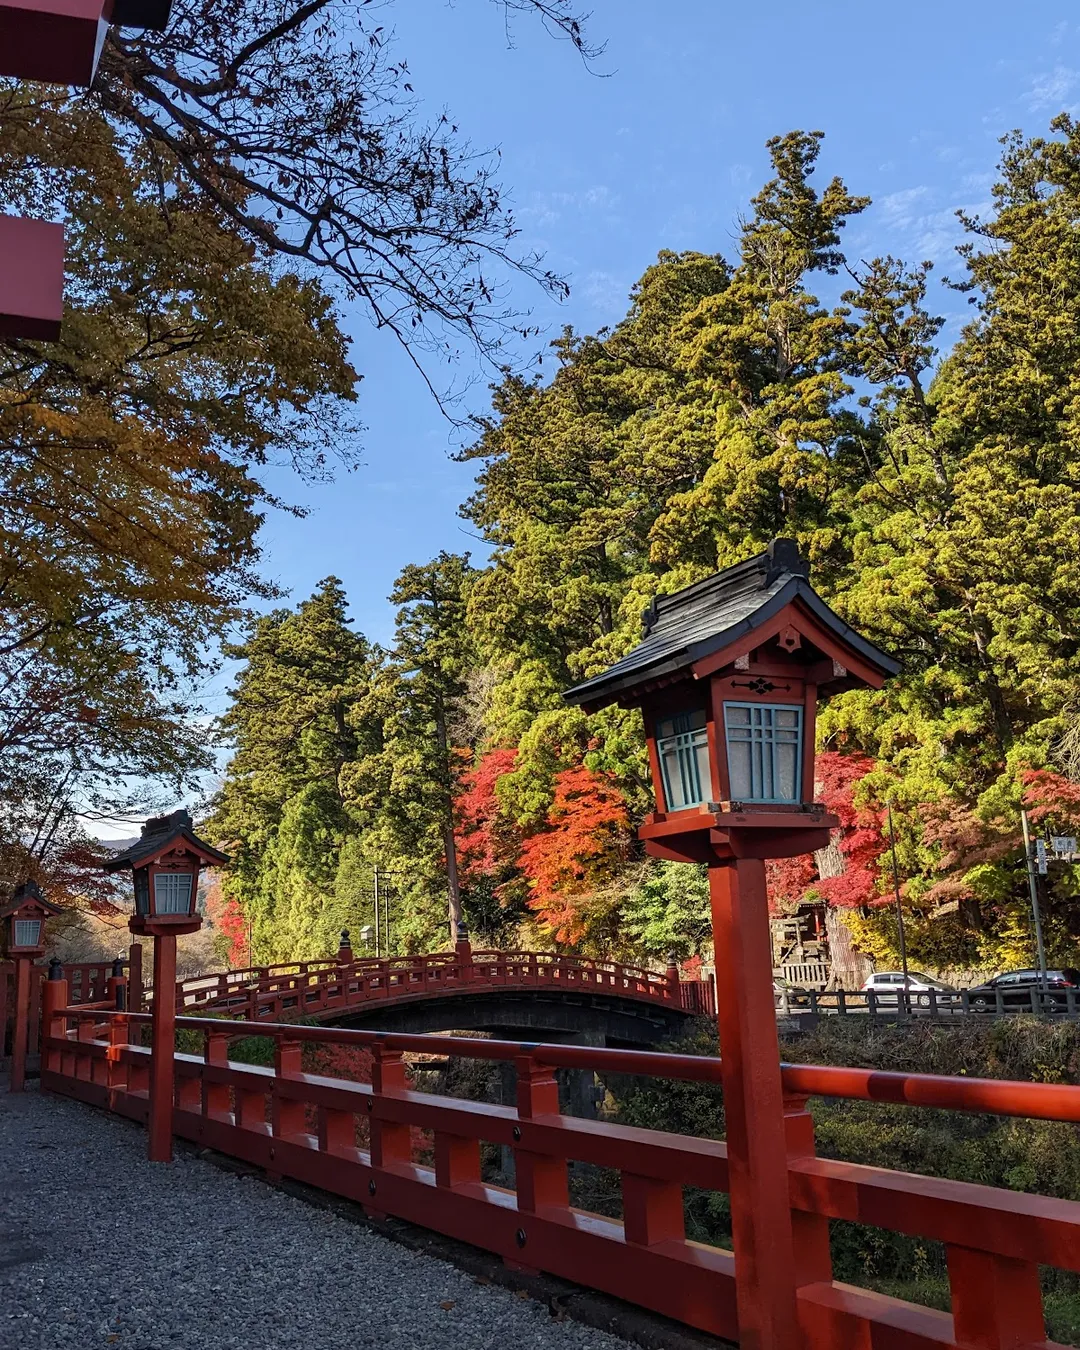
(1016, 987)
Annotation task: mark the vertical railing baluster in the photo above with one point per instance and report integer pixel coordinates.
(336, 1131)
(391, 1142)
(652, 1210)
(286, 1114)
(216, 1097)
(996, 1301)
(84, 1068)
(810, 1232)
(541, 1179)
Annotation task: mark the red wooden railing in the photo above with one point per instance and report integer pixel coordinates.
(355, 1140)
(87, 983)
(323, 988)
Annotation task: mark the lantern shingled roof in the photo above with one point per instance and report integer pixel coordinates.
(692, 624)
(29, 893)
(158, 834)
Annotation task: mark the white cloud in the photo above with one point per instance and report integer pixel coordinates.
(1050, 91)
(900, 208)
(545, 208)
(606, 292)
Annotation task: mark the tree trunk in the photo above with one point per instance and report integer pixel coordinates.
(453, 883)
(847, 968)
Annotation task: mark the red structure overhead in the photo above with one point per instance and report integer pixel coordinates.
(31, 278)
(55, 41)
(60, 41)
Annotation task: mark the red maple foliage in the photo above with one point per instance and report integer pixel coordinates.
(859, 837)
(485, 842)
(1051, 797)
(228, 918)
(583, 840)
(788, 880)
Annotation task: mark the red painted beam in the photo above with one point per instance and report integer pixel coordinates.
(31, 276)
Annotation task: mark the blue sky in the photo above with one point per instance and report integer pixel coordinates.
(663, 150)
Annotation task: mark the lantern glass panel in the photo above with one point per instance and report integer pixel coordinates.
(27, 932)
(682, 744)
(142, 893)
(764, 745)
(172, 893)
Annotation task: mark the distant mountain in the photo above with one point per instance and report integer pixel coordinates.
(118, 845)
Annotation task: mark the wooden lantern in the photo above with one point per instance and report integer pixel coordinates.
(165, 866)
(728, 678)
(31, 277)
(22, 921)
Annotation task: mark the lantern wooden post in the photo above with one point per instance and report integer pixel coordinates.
(728, 677)
(753, 1105)
(162, 1049)
(165, 865)
(21, 1030)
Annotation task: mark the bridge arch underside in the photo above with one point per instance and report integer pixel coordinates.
(530, 1015)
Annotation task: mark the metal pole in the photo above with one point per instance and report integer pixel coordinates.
(1033, 885)
(386, 919)
(377, 953)
(896, 892)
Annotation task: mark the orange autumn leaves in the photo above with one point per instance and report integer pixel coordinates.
(585, 843)
(581, 845)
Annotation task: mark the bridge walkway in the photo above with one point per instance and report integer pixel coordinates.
(99, 1248)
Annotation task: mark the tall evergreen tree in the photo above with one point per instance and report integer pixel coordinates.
(301, 715)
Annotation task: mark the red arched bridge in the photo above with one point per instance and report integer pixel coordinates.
(604, 1001)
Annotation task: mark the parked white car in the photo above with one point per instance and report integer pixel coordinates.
(887, 984)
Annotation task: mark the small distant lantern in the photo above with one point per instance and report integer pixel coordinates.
(728, 677)
(165, 866)
(23, 919)
(367, 935)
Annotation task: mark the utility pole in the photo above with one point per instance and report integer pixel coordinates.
(377, 953)
(896, 892)
(1033, 885)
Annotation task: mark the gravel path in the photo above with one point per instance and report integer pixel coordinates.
(98, 1247)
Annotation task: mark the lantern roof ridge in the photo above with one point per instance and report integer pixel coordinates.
(157, 834)
(691, 624)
